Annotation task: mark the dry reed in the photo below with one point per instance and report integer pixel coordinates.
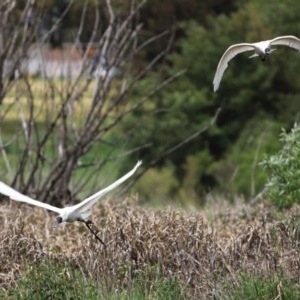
(163, 243)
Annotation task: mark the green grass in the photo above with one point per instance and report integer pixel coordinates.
(263, 288)
(54, 280)
(50, 280)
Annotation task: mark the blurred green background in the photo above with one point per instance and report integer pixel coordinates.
(257, 98)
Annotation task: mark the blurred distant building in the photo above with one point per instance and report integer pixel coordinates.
(50, 62)
(65, 62)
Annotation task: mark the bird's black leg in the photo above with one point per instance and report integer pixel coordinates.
(88, 224)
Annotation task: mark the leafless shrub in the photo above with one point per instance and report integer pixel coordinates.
(58, 122)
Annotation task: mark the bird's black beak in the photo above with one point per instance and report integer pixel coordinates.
(91, 226)
(57, 222)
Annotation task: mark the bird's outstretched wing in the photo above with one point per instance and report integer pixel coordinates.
(229, 54)
(16, 196)
(288, 40)
(90, 201)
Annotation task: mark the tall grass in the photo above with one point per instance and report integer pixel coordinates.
(150, 254)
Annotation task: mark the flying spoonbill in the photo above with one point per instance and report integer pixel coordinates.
(78, 212)
(261, 49)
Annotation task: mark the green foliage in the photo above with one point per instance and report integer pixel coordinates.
(157, 185)
(191, 190)
(248, 93)
(53, 281)
(154, 289)
(283, 169)
(281, 14)
(239, 171)
(248, 89)
(261, 288)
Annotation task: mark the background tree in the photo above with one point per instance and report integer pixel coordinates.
(257, 98)
(65, 130)
(57, 129)
(154, 120)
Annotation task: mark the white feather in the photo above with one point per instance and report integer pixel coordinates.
(72, 213)
(16, 196)
(90, 201)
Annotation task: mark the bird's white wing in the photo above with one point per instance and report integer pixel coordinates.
(288, 40)
(90, 201)
(16, 196)
(229, 54)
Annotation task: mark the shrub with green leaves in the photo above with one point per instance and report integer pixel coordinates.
(283, 168)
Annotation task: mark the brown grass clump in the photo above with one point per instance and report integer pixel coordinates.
(168, 243)
(16, 246)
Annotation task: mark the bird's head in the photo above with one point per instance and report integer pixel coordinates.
(57, 222)
(267, 50)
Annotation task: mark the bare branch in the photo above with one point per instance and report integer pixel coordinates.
(59, 120)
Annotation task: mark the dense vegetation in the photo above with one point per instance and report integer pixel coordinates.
(257, 99)
(221, 252)
(284, 168)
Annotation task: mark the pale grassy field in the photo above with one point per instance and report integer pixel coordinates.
(44, 95)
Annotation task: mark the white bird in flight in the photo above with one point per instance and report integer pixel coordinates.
(261, 49)
(78, 212)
